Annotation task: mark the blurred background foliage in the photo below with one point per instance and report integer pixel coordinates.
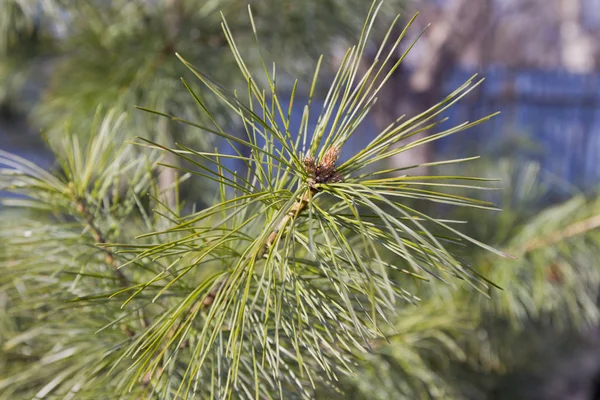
(76, 56)
(537, 338)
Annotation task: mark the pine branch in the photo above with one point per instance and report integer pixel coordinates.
(288, 286)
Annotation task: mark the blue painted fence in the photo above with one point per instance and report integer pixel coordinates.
(558, 111)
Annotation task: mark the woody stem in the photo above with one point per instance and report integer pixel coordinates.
(100, 239)
(296, 210)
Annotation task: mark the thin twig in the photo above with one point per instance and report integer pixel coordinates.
(293, 213)
(575, 229)
(110, 258)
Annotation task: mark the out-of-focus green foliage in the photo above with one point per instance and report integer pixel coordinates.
(63, 59)
(467, 342)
